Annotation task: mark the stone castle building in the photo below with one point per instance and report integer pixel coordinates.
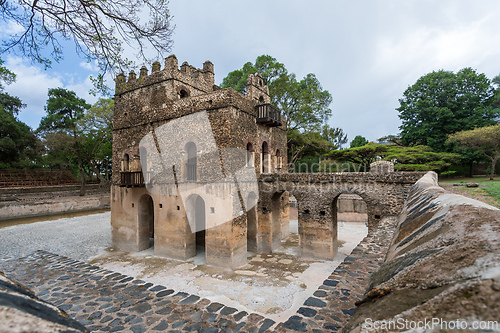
(186, 157)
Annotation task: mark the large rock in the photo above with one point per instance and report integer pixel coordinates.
(443, 263)
(22, 311)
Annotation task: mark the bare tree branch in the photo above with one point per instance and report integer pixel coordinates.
(99, 29)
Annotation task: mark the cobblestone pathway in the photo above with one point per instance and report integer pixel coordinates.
(105, 301)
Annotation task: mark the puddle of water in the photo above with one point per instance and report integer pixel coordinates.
(34, 219)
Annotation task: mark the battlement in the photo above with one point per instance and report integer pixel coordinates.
(191, 77)
(256, 89)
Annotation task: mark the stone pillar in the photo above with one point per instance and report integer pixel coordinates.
(269, 216)
(124, 218)
(285, 215)
(226, 244)
(317, 227)
(173, 236)
(382, 167)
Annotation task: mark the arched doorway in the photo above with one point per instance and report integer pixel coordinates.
(278, 163)
(252, 229)
(250, 157)
(276, 221)
(146, 222)
(265, 158)
(195, 209)
(191, 162)
(200, 224)
(351, 208)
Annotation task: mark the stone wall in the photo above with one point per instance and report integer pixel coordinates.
(50, 200)
(443, 262)
(351, 208)
(188, 139)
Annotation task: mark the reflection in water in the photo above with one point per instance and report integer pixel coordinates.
(33, 219)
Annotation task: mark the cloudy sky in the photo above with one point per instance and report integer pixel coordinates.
(366, 53)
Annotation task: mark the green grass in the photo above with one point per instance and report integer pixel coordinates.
(487, 187)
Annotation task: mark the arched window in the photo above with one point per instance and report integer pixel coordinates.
(191, 161)
(144, 164)
(265, 158)
(261, 100)
(144, 159)
(126, 163)
(250, 156)
(278, 164)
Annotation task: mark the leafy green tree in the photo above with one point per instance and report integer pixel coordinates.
(485, 140)
(312, 145)
(416, 158)
(419, 158)
(17, 141)
(441, 103)
(496, 96)
(364, 155)
(391, 139)
(99, 29)
(358, 141)
(64, 110)
(304, 103)
(96, 128)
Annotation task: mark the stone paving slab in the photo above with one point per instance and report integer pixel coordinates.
(332, 304)
(106, 301)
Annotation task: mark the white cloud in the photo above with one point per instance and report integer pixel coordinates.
(365, 53)
(11, 28)
(90, 66)
(32, 86)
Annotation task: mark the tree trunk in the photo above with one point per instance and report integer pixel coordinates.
(80, 164)
(493, 164)
(102, 181)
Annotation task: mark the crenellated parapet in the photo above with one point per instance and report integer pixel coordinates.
(257, 90)
(192, 79)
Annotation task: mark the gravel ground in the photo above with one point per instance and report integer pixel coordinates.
(78, 237)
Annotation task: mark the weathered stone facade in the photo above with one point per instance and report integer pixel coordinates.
(144, 107)
(317, 196)
(443, 262)
(182, 152)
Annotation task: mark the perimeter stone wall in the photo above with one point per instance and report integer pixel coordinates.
(443, 262)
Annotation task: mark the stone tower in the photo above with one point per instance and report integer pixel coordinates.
(186, 157)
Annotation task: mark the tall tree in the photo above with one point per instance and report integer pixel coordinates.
(416, 158)
(441, 103)
(314, 144)
(485, 140)
(358, 141)
(304, 103)
(64, 110)
(96, 128)
(496, 96)
(363, 155)
(16, 138)
(99, 29)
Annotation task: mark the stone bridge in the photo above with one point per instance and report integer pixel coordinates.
(316, 194)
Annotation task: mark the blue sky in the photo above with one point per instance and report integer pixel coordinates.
(366, 53)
